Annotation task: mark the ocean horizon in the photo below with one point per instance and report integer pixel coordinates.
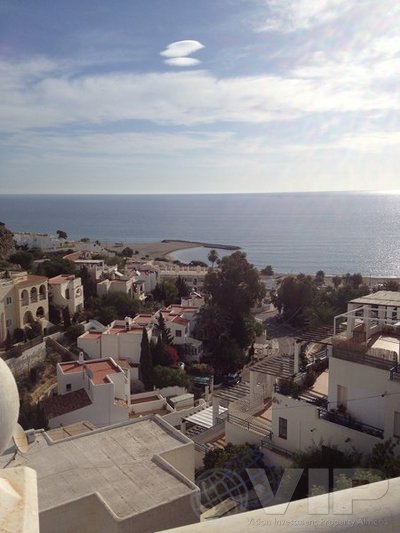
(337, 232)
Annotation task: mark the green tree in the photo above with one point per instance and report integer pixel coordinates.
(166, 292)
(146, 363)
(336, 280)
(75, 331)
(182, 287)
(127, 252)
(213, 257)
(267, 271)
(391, 285)
(61, 234)
(383, 458)
(227, 356)
(320, 277)
(7, 245)
(164, 332)
(122, 303)
(236, 286)
(169, 377)
(24, 259)
(106, 314)
(55, 267)
(8, 343)
(88, 283)
(294, 296)
(66, 318)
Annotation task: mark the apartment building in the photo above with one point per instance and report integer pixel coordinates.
(23, 298)
(66, 290)
(193, 276)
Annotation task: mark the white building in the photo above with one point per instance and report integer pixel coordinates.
(132, 286)
(133, 476)
(66, 290)
(193, 276)
(43, 241)
(120, 340)
(97, 390)
(355, 403)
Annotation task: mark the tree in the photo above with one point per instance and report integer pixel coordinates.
(56, 266)
(320, 277)
(267, 271)
(24, 259)
(122, 303)
(384, 459)
(66, 318)
(293, 297)
(213, 257)
(236, 286)
(169, 377)
(88, 283)
(182, 287)
(164, 332)
(61, 234)
(146, 363)
(73, 332)
(227, 357)
(8, 343)
(7, 246)
(391, 285)
(127, 252)
(85, 239)
(166, 292)
(336, 280)
(106, 315)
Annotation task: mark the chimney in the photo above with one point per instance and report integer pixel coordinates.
(81, 359)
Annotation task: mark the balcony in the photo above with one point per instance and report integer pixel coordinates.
(348, 421)
(356, 354)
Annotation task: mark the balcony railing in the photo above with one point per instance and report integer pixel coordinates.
(350, 422)
(267, 443)
(363, 358)
(248, 423)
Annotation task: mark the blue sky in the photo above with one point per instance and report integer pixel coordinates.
(182, 96)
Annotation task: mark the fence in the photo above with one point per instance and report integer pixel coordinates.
(249, 423)
(19, 349)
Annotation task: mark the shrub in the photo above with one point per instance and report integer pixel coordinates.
(73, 332)
(19, 335)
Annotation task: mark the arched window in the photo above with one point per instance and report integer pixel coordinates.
(34, 295)
(28, 317)
(42, 292)
(24, 297)
(40, 312)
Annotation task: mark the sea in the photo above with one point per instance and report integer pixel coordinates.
(335, 232)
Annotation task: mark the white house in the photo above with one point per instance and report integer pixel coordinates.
(354, 403)
(66, 290)
(121, 340)
(96, 390)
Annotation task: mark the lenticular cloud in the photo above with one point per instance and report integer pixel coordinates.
(178, 51)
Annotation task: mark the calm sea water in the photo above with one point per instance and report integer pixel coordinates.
(299, 232)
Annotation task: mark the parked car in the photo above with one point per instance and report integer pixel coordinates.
(232, 379)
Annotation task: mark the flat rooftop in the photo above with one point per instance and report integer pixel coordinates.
(389, 298)
(120, 463)
(100, 369)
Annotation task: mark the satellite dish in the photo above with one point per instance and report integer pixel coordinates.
(19, 438)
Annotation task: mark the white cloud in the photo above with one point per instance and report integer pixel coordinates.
(182, 48)
(292, 15)
(182, 61)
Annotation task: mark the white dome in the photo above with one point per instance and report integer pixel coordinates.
(9, 405)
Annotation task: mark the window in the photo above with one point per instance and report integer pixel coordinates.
(8, 323)
(282, 428)
(178, 333)
(8, 300)
(396, 424)
(68, 387)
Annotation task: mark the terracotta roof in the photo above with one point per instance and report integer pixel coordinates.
(65, 403)
(179, 320)
(31, 280)
(100, 369)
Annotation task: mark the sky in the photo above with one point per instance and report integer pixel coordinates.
(199, 96)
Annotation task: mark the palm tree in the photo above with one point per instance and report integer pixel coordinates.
(212, 257)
